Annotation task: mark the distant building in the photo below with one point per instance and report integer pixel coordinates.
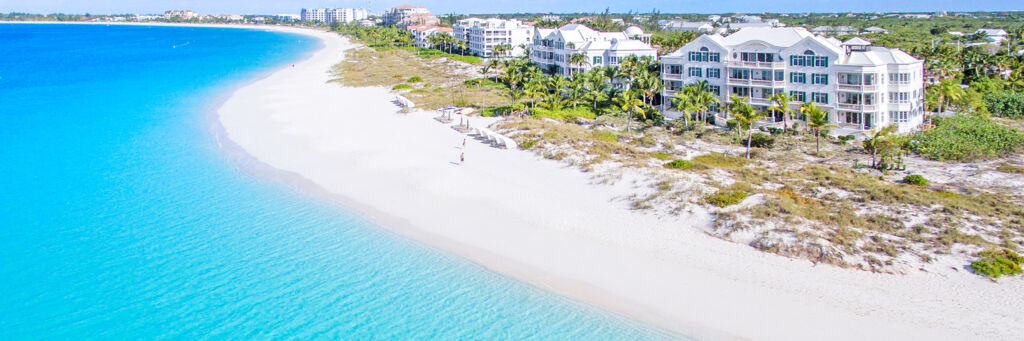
(483, 35)
(183, 14)
(736, 26)
(551, 17)
(875, 29)
(553, 47)
(747, 18)
(332, 15)
(288, 17)
(618, 21)
(405, 15)
(714, 18)
(686, 26)
(422, 33)
(992, 35)
(860, 86)
(834, 30)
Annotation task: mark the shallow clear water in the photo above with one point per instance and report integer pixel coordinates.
(121, 217)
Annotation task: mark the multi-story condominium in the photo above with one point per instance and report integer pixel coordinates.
(332, 15)
(406, 15)
(422, 33)
(484, 34)
(859, 85)
(553, 47)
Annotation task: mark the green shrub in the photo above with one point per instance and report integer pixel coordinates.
(845, 138)
(915, 179)
(761, 140)
(1005, 104)
(720, 161)
(438, 89)
(401, 87)
(484, 81)
(529, 144)
(732, 124)
(724, 198)
(679, 164)
(427, 85)
(967, 138)
(996, 263)
(414, 79)
(495, 111)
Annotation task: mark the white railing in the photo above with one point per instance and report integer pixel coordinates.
(756, 64)
(856, 87)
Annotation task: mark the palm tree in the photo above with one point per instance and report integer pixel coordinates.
(817, 119)
(703, 98)
(650, 84)
(684, 103)
(949, 91)
(628, 103)
(781, 101)
(577, 91)
(746, 115)
(876, 142)
(578, 60)
(737, 103)
(495, 65)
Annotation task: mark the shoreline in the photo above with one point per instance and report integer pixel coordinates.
(642, 259)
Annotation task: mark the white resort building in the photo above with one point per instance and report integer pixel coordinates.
(552, 47)
(860, 86)
(484, 34)
(422, 33)
(332, 15)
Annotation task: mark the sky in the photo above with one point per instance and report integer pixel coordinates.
(504, 6)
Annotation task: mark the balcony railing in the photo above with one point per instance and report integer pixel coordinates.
(857, 107)
(756, 82)
(755, 100)
(755, 64)
(672, 75)
(856, 87)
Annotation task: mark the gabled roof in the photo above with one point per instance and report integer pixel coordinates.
(779, 37)
(876, 55)
(857, 41)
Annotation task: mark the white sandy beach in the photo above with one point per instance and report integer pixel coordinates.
(550, 225)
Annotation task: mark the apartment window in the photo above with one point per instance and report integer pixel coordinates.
(899, 97)
(899, 116)
(598, 60)
(796, 60)
(694, 71)
(819, 78)
(742, 92)
(715, 89)
(672, 69)
(819, 97)
(714, 73)
(798, 96)
(780, 75)
(740, 74)
(821, 61)
(899, 78)
(852, 117)
(798, 77)
(704, 55)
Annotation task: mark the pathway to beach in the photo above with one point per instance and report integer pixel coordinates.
(553, 226)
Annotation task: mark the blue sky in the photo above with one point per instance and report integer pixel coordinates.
(504, 6)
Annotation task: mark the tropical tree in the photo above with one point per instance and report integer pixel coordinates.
(949, 90)
(629, 104)
(683, 102)
(781, 105)
(596, 86)
(746, 115)
(736, 104)
(817, 120)
(878, 141)
(576, 93)
(703, 98)
(578, 60)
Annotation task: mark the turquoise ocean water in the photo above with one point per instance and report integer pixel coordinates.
(121, 218)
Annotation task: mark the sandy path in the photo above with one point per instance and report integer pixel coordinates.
(539, 221)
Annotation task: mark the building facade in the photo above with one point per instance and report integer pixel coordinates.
(407, 15)
(552, 48)
(482, 35)
(862, 87)
(422, 33)
(333, 15)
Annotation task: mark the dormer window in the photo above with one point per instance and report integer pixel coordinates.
(809, 53)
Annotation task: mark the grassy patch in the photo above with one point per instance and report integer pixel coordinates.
(915, 179)
(661, 156)
(605, 136)
(967, 138)
(414, 79)
(720, 161)
(568, 114)
(726, 197)
(996, 263)
(1008, 168)
(401, 87)
(679, 164)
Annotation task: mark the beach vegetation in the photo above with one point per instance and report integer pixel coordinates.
(997, 263)
(1008, 168)
(915, 179)
(401, 87)
(414, 79)
(967, 138)
(726, 197)
(679, 164)
(716, 160)
(661, 156)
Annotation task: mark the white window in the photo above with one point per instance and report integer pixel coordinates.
(899, 97)
(694, 72)
(899, 116)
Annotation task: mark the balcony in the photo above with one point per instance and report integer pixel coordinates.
(762, 101)
(771, 65)
(756, 82)
(856, 87)
(672, 76)
(857, 107)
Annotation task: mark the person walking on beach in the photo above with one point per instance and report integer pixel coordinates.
(462, 158)
(463, 143)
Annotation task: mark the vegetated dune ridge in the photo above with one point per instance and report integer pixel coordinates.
(552, 226)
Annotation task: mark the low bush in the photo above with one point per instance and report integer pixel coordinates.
(915, 179)
(967, 138)
(724, 198)
(438, 89)
(996, 263)
(414, 79)
(497, 111)
(720, 161)
(427, 85)
(481, 82)
(529, 144)
(679, 164)
(732, 124)
(401, 87)
(605, 136)
(1005, 104)
(845, 138)
(761, 140)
